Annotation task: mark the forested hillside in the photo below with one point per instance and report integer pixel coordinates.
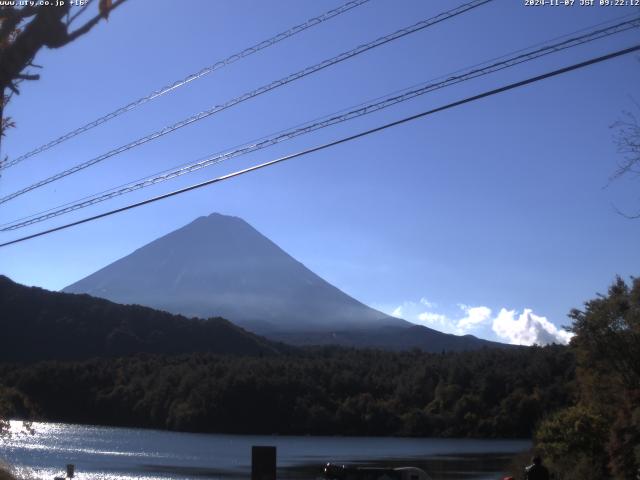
(486, 393)
(581, 402)
(37, 324)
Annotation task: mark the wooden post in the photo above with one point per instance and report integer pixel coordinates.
(263, 463)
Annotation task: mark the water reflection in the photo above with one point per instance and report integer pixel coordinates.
(105, 453)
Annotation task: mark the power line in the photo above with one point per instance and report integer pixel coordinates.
(312, 22)
(237, 173)
(324, 122)
(254, 93)
(475, 66)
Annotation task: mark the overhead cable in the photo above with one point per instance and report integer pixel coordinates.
(254, 93)
(237, 173)
(312, 22)
(359, 111)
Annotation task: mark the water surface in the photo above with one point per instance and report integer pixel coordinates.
(106, 453)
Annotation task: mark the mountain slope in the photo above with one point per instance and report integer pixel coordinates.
(390, 338)
(37, 324)
(220, 265)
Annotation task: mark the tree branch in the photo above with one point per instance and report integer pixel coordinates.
(91, 23)
(627, 139)
(626, 215)
(11, 18)
(21, 40)
(79, 12)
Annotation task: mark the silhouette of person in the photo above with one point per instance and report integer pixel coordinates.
(536, 471)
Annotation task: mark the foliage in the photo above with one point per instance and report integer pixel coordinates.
(572, 440)
(607, 340)
(599, 437)
(485, 393)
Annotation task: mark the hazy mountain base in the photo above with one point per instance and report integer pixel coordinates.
(388, 338)
(221, 266)
(323, 391)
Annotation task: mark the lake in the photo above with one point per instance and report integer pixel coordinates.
(122, 453)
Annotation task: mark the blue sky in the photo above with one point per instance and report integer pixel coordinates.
(495, 218)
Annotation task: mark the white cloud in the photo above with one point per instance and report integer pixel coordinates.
(437, 321)
(427, 303)
(528, 328)
(409, 310)
(475, 316)
(510, 326)
(433, 318)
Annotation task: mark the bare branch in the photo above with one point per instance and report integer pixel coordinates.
(625, 215)
(91, 23)
(627, 139)
(25, 31)
(46, 29)
(79, 12)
